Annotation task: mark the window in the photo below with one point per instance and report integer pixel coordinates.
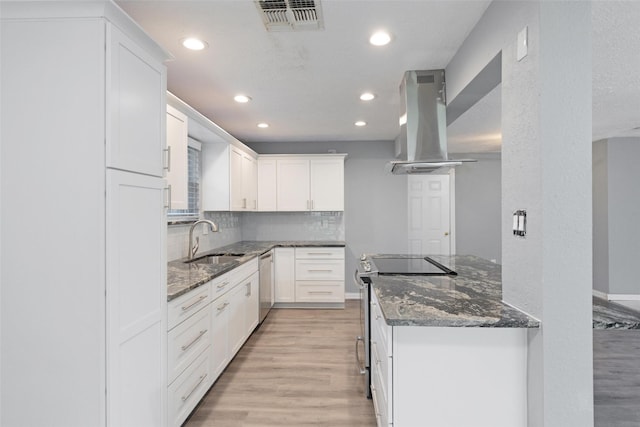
(193, 186)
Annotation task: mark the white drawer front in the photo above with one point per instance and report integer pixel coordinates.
(380, 363)
(187, 390)
(319, 253)
(187, 341)
(188, 304)
(221, 284)
(381, 406)
(245, 270)
(320, 291)
(320, 269)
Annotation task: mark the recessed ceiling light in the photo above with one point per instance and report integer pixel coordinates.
(367, 96)
(380, 38)
(360, 123)
(263, 125)
(194, 43)
(242, 98)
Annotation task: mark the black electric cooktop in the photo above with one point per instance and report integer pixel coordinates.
(420, 266)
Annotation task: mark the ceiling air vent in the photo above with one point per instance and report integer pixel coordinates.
(291, 15)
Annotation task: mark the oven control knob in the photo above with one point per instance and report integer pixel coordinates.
(363, 257)
(367, 266)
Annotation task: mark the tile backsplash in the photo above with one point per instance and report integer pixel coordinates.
(229, 231)
(236, 226)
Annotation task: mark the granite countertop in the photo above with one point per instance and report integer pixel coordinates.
(183, 277)
(471, 299)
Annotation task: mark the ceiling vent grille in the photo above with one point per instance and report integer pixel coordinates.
(291, 15)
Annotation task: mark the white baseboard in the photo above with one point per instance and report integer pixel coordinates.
(616, 297)
(624, 297)
(352, 295)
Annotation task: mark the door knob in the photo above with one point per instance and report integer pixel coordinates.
(446, 233)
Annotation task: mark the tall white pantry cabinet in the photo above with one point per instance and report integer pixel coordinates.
(83, 222)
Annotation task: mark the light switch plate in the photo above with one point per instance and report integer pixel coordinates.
(523, 42)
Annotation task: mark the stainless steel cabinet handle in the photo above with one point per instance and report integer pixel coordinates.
(198, 301)
(244, 203)
(312, 204)
(248, 294)
(202, 377)
(195, 340)
(319, 253)
(222, 285)
(167, 205)
(361, 367)
(319, 271)
(168, 151)
(320, 292)
(223, 306)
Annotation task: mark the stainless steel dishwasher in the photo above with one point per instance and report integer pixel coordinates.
(266, 279)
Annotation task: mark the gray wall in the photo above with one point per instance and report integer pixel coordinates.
(600, 217)
(375, 215)
(546, 119)
(616, 208)
(478, 207)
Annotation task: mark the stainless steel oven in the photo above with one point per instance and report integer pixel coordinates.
(372, 266)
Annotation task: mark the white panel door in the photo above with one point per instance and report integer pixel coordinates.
(429, 215)
(284, 275)
(178, 172)
(136, 115)
(136, 300)
(219, 335)
(293, 185)
(250, 182)
(252, 303)
(327, 184)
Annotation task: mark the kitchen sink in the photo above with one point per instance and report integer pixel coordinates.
(215, 259)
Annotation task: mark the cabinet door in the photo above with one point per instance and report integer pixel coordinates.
(136, 300)
(285, 280)
(267, 185)
(293, 185)
(327, 184)
(178, 167)
(250, 182)
(136, 107)
(252, 303)
(237, 331)
(219, 336)
(238, 201)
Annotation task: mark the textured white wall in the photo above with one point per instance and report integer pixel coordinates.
(623, 213)
(546, 169)
(600, 216)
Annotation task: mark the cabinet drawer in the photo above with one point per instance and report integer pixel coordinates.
(310, 269)
(319, 253)
(245, 270)
(381, 406)
(379, 325)
(187, 341)
(221, 284)
(320, 291)
(188, 304)
(381, 365)
(187, 390)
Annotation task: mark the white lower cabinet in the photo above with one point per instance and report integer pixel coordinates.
(207, 328)
(285, 275)
(320, 275)
(438, 376)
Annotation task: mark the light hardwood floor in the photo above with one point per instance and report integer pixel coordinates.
(297, 369)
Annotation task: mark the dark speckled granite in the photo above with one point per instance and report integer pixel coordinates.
(471, 299)
(609, 315)
(183, 277)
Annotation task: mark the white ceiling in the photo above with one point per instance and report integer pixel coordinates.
(306, 84)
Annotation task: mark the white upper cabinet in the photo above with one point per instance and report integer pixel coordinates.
(136, 108)
(267, 191)
(178, 161)
(327, 184)
(301, 183)
(243, 176)
(293, 184)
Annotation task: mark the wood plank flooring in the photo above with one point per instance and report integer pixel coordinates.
(616, 378)
(297, 369)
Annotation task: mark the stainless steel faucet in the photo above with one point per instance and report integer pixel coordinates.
(194, 248)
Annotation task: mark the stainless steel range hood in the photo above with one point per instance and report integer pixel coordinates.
(422, 144)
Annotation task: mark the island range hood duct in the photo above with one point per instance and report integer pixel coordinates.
(422, 143)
